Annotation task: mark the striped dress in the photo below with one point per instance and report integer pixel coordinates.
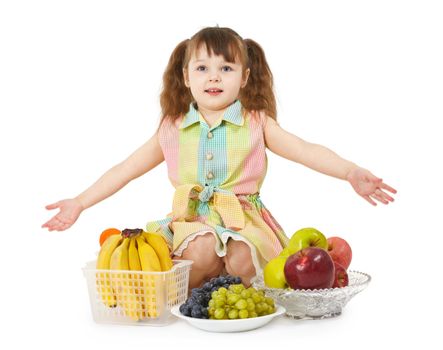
(217, 173)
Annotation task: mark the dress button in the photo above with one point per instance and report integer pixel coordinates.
(210, 135)
(210, 175)
(209, 156)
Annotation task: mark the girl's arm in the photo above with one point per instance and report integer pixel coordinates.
(145, 158)
(314, 156)
(322, 159)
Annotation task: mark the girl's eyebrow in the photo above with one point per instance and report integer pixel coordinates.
(224, 62)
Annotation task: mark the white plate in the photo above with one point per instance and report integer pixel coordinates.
(237, 325)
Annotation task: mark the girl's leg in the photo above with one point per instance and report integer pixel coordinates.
(207, 264)
(238, 261)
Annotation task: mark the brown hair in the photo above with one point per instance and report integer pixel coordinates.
(258, 93)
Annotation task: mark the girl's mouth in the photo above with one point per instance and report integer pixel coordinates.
(214, 92)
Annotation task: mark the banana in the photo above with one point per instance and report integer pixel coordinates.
(161, 249)
(135, 279)
(148, 257)
(149, 261)
(103, 263)
(120, 282)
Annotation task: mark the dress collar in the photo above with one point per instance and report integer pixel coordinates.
(233, 114)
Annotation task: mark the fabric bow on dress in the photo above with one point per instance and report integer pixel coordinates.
(225, 203)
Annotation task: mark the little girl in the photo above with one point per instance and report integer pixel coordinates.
(218, 118)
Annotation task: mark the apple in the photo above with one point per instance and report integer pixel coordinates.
(309, 268)
(273, 273)
(285, 252)
(340, 251)
(307, 237)
(341, 278)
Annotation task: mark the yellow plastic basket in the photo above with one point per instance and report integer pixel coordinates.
(136, 297)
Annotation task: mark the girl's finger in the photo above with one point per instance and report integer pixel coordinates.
(65, 226)
(386, 196)
(58, 225)
(379, 198)
(387, 187)
(52, 206)
(376, 178)
(369, 199)
(53, 224)
(48, 223)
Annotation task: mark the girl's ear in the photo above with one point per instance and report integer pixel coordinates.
(186, 77)
(245, 78)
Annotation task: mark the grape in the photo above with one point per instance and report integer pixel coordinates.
(219, 313)
(207, 287)
(211, 310)
(225, 297)
(238, 302)
(259, 308)
(233, 298)
(222, 291)
(184, 309)
(245, 294)
(269, 301)
(196, 311)
(233, 314)
(203, 296)
(243, 313)
(219, 302)
(236, 288)
(241, 304)
(256, 297)
(250, 306)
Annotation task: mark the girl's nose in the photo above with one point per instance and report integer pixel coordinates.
(215, 77)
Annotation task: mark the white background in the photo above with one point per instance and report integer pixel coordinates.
(79, 86)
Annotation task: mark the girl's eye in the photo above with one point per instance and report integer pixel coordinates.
(226, 69)
(201, 68)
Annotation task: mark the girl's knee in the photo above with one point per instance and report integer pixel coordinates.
(201, 250)
(238, 259)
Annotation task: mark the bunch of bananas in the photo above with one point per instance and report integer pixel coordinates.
(138, 294)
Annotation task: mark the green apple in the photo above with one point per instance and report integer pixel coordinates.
(285, 252)
(307, 237)
(274, 273)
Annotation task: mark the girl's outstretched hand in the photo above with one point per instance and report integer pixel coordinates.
(369, 186)
(70, 210)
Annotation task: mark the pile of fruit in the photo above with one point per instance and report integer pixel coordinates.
(137, 294)
(310, 261)
(225, 297)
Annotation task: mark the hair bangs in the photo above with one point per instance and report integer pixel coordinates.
(220, 43)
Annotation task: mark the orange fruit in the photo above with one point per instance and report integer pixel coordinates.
(108, 232)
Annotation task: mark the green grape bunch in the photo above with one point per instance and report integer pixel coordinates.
(239, 302)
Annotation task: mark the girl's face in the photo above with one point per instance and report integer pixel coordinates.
(214, 83)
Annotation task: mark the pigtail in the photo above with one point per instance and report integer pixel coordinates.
(258, 94)
(175, 96)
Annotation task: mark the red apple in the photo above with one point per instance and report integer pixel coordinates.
(341, 276)
(309, 268)
(340, 251)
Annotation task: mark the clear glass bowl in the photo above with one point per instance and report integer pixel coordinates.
(315, 304)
